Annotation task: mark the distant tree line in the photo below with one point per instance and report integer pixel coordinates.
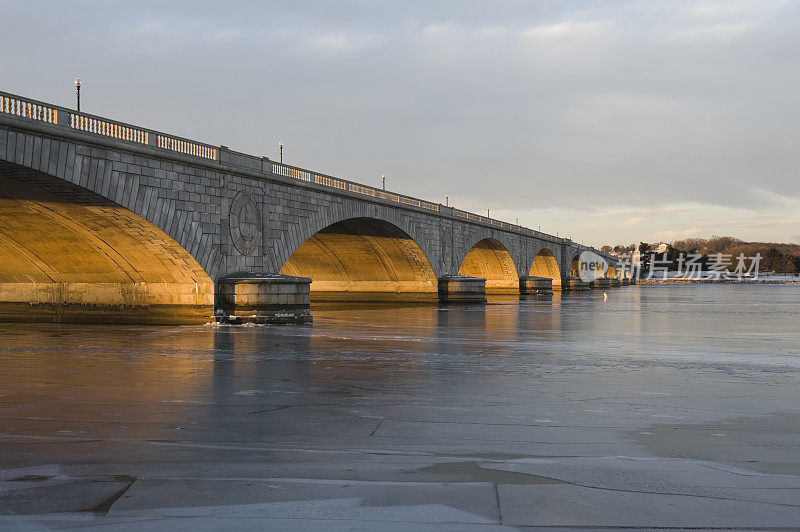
(775, 257)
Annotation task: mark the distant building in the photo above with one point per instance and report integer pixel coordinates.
(660, 248)
(636, 258)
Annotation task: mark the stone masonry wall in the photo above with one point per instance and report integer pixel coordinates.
(234, 220)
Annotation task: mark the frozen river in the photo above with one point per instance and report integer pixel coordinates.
(662, 406)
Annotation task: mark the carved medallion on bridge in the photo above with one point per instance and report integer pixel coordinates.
(245, 223)
(445, 244)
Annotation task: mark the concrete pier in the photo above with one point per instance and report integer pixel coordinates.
(575, 283)
(602, 282)
(535, 285)
(112, 303)
(615, 283)
(462, 289)
(264, 299)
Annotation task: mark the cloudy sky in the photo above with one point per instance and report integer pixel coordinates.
(609, 122)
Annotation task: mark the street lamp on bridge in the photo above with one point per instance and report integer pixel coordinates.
(78, 92)
(280, 147)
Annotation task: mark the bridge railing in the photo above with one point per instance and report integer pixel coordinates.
(14, 105)
(187, 147)
(52, 114)
(107, 128)
(289, 171)
(294, 172)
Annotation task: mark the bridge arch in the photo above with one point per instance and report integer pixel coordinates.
(287, 242)
(545, 264)
(118, 177)
(69, 254)
(362, 255)
(575, 265)
(489, 258)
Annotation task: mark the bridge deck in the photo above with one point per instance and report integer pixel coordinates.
(21, 107)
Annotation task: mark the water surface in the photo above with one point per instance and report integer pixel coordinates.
(681, 402)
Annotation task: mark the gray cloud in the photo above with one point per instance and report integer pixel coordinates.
(515, 106)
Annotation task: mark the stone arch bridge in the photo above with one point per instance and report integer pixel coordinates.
(105, 220)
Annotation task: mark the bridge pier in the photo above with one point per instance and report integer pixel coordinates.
(247, 298)
(575, 283)
(462, 289)
(535, 285)
(602, 282)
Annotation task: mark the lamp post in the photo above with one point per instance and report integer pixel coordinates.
(280, 147)
(78, 92)
(383, 178)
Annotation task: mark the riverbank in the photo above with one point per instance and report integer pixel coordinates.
(762, 279)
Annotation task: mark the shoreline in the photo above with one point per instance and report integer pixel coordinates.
(681, 280)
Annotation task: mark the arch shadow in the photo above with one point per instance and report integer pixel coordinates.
(366, 255)
(96, 173)
(545, 264)
(68, 254)
(575, 266)
(490, 259)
